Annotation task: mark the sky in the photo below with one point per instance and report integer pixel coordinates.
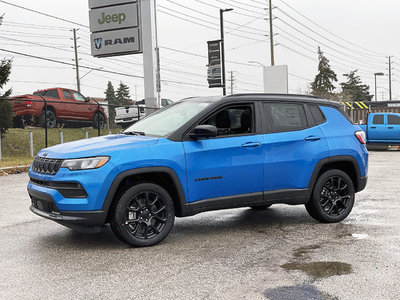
(353, 35)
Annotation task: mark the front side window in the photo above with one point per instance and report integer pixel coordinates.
(78, 96)
(378, 119)
(232, 120)
(285, 116)
(168, 119)
(393, 120)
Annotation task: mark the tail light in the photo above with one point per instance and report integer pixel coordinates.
(29, 103)
(360, 135)
(142, 110)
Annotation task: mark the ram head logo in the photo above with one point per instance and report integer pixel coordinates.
(97, 43)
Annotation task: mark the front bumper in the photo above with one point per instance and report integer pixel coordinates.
(84, 221)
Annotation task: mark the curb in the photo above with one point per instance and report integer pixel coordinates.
(14, 170)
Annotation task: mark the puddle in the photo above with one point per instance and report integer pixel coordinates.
(297, 292)
(321, 269)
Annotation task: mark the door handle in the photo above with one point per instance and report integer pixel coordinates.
(251, 145)
(312, 138)
(390, 127)
(373, 127)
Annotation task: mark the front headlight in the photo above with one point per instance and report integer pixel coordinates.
(85, 163)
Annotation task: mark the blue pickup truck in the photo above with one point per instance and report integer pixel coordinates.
(382, 129)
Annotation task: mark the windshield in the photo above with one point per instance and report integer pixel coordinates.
(167, 119)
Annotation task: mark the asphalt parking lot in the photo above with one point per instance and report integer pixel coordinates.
(278, 253)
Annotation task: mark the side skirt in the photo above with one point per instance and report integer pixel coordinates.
(292, 197)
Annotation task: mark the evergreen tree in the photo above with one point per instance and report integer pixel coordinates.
(323, 83)
(112, 101)
(5, 106)
(354, 89)
(123, 97)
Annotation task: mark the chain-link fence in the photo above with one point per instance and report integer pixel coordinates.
(39, 123)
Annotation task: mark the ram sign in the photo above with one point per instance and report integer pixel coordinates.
(115, 27)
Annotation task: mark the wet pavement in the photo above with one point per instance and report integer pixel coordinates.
(278, 253)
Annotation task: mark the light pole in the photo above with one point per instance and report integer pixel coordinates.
(221, 18)
(377, 74)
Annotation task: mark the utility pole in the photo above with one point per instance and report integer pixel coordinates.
(221, 19)
(232, 80)
(78, 82)
(271, 34)
(390, 79)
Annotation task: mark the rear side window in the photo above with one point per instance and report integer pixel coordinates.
(317, 114)
(51, 94)
(378, 119)
(393, 120)
(285, 116)
(67, 94)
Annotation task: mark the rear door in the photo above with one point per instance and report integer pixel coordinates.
(377, 130)
(393, 131)
(230, 164)
(293, 145)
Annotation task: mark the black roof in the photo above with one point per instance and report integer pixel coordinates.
(267, 97)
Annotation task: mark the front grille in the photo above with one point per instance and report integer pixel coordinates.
(44, 205)
(46, 165)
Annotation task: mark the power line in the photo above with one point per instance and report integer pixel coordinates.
(216, 28)
(213, 17)
(322, 36)
(326, 30)
(44, 14)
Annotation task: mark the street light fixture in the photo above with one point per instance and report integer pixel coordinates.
(377, 74)
(221, 18)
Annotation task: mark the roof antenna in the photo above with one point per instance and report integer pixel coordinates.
(1, 18)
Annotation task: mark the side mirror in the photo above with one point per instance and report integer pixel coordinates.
(87, 99)
(203, 131)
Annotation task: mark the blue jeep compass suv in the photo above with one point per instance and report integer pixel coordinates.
(202, 154)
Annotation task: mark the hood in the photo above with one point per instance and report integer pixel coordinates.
(103, 145)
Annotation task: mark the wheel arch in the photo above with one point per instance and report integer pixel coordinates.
(345, 163)
(162, 176)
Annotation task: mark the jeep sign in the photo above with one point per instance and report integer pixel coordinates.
(115, 27)
(114, 17)
(116, 42)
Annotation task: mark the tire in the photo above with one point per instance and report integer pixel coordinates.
(95, 122)
(261, 207)
(143, 215)
(51, 119)
(333, 197)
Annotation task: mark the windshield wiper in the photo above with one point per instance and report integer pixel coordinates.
(133, 132)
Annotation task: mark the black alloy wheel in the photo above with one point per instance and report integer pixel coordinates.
(51, 119)
(143, 216)
(333, 197)
(146, 215)
(96, 120)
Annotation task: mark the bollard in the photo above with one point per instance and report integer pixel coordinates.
(61, 137)
(31, 142)
(0, 146)
(86, 134)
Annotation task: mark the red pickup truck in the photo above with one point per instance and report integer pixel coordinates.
(62, 105)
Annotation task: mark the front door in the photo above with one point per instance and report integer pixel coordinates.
(231, 163)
